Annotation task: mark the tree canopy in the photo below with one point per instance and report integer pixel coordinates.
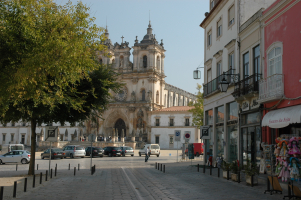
(49, 66)
(198, 110)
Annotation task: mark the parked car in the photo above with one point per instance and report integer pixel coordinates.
(125, 150)
(197, 148)
(15, 156)
(112, 151)
(154, 149)
(55, 153)
(96, 151)
(74, 151)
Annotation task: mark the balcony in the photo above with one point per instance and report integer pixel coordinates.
(212, 86)
(271, 88)
(247, 86)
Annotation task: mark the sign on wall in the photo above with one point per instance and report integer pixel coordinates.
(177, 135)
(204, 130)
(51, 133)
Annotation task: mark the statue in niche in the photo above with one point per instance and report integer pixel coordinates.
(140, 120)
(121, 62)
(133, 96)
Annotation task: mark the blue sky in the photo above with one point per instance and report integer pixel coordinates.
(175, 21)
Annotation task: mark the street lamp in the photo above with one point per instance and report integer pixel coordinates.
(197, 73)
(224, 84)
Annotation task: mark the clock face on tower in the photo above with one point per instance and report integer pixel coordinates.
(121, 95)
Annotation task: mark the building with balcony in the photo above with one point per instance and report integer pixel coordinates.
(279, 88)
(223, 60)
(165, 122)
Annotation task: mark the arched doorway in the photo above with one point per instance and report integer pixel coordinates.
(119, 125)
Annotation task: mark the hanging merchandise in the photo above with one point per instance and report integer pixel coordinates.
(293, 146)
(294, 168)
(268, 158)
(284, 173)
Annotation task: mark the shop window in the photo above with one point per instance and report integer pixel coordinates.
(250, 118)
(233, 142)
(209, 117)
(232, 111)
(219, 114)
(220, 141)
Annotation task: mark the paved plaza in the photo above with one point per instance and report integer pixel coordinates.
(130, 178)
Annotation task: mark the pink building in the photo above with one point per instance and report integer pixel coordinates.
(280, 88)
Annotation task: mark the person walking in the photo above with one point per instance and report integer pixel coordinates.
(146, 154)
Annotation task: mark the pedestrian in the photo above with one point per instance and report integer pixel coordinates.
(146, 154)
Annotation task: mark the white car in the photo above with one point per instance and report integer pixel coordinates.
(154, 149)
(16, 156)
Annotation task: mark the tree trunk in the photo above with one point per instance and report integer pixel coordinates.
(33, 147)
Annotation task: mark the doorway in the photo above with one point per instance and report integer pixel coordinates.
(251, 137)
(119, 125)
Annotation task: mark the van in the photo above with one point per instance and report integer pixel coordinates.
(154, 149)
(73, 151)
(197, 148)
(4, 148)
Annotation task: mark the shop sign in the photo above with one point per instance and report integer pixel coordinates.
(254, 103)
(245, 106)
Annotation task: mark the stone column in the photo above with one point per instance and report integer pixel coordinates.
(162, 63)
(133, 137)
(113, 135)
(122, 135)
(116, 135)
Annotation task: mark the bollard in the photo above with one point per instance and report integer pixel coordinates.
(156, 165)
(37, 166)
(161, 167)
(51, 173)
(25, 184)
(218, 172)
(210, 170)
(15, 189)
(78, 167)
(198, 167)
(16, 167)
(1, 192)
(69, 166)
(228, 174)
(204, 168)
(164, 169)
(74, 171)
(55, 164)
(55, 171)
(238, 177)
(46, 175)
(34, 181)
(91, 170)
(252, 181)
(41, 175)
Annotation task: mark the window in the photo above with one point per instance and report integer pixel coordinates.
(143, 95)
(186, 122)
(3, 138)
(209, 117)
(220, 141)
(246, 65)
(23, 139)
(219, 114)
(256, 62)
(231, 60)
(209, 38)
(171, 122)
(231, 15)
(211, 4)
(12, 137)
(209, 75)
(219, 28)
(232, 111)
(145, 61)
(275, 61)
(157, 139)
(157, 122)
(219, 69)
(170, 139)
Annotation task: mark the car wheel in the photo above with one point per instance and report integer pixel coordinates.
(42, 157)
(71, 156)
(197, 155)
(158, 155)
(132, 155)
(1, 162)
(62, 157)
(82, 156)
(110, 154)
(24, 161)
(52, 157)
(101, 156)
(139, 154)
(123, 154)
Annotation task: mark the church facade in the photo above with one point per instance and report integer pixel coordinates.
(145, 90)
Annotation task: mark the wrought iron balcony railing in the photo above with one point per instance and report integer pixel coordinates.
(271, 88)
(212, 86)
(246, 86)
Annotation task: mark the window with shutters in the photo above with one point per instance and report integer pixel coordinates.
(209, 75)
(231, 61)
(275, 61)
(211, 4)
(209, 38)
(219, 28)
(231, 16)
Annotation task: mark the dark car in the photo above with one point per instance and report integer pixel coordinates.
(96, 151)
(55, 153)
(112, 151)
(125, 150)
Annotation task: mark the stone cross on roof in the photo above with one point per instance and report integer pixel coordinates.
(122, 39)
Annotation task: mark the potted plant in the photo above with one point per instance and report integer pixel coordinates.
(234, 167)
(225, 167)
(251, 169)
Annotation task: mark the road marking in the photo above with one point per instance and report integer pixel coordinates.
(131, 183)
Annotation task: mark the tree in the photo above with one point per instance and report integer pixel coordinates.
(198, 110)
(48, 61)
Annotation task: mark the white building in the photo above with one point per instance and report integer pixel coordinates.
(165, 122)
(221, 55)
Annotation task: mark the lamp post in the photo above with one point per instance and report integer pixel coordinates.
(224, 84)
(197, 73)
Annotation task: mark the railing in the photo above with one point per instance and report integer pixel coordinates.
(246, 86)
(212, 86)
(271, 88)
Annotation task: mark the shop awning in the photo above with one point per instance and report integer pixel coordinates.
(282, 117)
